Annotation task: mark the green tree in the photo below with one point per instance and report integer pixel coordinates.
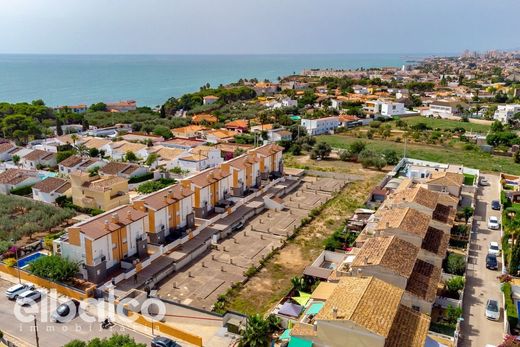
(93, 152)
(258, 331)
(16, 159)
(455, 264)
(62, 155)
(59, 130)
(467, 212)
(454, 284)
(54, 268)
(152, 158)
(321, 150)
(131, 157)
(100, 106)
(115, 340)
(357, 147)
(391, 156)
(161, 130)
(19, 127)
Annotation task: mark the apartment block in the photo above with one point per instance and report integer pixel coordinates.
(103, 193)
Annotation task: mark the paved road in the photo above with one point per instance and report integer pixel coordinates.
(481, 283)
(53, 334)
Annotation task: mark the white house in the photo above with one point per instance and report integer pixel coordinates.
(505, 112)
(384, 108)
(17, 178)
(210, 99)
(321, 125)
(6, 151)
(50, 188)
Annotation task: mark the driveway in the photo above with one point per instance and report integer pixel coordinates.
(481, 283)
(54, 334)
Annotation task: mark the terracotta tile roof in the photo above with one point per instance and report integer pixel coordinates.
(424, 280)
(243, 161)
(348, 118)
(64, 188)
(114, 168)
(166, 153)
(268, 150)
(68, 139)
(210, 97)
(51, 184)
(103, 224)
(231, 147)
(419, 195)
(323, 291)
(198, 118)
(366, 301)
(302, 329)
(125, 146)
(15, 176)
(446, 179)
(448, 200)
(436, 241)
(194, 157)
(94, 142)
(174, 193)
(444, 214)
(205, 178)
(239, 123)
(6, 146)
(89, 162)
(38, 154)
(221, 133)
(409, 329)
(407, 219)
(390, 252)
(184, 142)
(72, 161)
(188, 129)
(104, 183)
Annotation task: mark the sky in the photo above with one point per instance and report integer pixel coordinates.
(257, 26)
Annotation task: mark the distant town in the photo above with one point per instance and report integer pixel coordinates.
(329, 208)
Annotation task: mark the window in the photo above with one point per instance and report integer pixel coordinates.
(416, 308)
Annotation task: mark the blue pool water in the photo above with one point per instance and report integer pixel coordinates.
(30, 258)
(44, 175)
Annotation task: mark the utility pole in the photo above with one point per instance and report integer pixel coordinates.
(36, 332)
(405, 142)
(16, 258)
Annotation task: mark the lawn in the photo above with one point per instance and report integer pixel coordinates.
(446, 124)
(442, 154)
(273, 282)
(23, 217)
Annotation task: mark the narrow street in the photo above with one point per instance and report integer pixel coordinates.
(482, 284)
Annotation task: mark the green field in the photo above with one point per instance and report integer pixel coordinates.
(446, 124)
(473, 159)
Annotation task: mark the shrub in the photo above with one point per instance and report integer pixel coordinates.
(454, 284)
(455, 264)
(54, 268)
(141, 178)
(4, 246)
(10, 262)
(510, 307)
(22, 191)
(114, 340)
(150, 187)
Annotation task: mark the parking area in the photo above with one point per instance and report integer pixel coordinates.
(481, 283)
(49, 333)
(200, 283)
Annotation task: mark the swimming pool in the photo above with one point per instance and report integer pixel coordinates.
(30, 258)
(45, 174)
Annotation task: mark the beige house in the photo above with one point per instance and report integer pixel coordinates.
(245, 173)
(367, 312)
(104, 193)
(446, 182)
(170, 212)
(106, 242)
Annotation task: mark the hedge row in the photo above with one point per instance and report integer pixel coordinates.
(510, 307)
(142, 178)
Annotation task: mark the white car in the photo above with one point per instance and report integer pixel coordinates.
(492, 310)
(28, 297)
(494, 248)
(13, 292)
(493, 223)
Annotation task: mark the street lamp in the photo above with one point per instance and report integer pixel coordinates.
(36, 332)
(16, 258)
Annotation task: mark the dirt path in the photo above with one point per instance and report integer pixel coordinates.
(273, 282)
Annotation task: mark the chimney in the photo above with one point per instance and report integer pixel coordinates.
(115, 218)
(106, 224)
(315, 326)
(165, 198)
(129, 215)
(359, 272)
(365, 261)
(388, 225)
(335, 313)
(182, 190)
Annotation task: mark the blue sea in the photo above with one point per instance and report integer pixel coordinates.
(152, 79)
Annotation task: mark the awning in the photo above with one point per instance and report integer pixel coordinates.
(290, 309)
(286, 335)
(297, 342)
(315, 308)
(302, 299)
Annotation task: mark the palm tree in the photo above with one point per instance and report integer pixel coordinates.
(74, 138)
(258, 331)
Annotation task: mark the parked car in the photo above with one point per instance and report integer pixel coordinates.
(493, 223)
(495, 205)
(65, 312)
(160, 341)
(13, 292)
(494, 248)
(492, 310)
(491, 261)
(484, 182)
(28, 297)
